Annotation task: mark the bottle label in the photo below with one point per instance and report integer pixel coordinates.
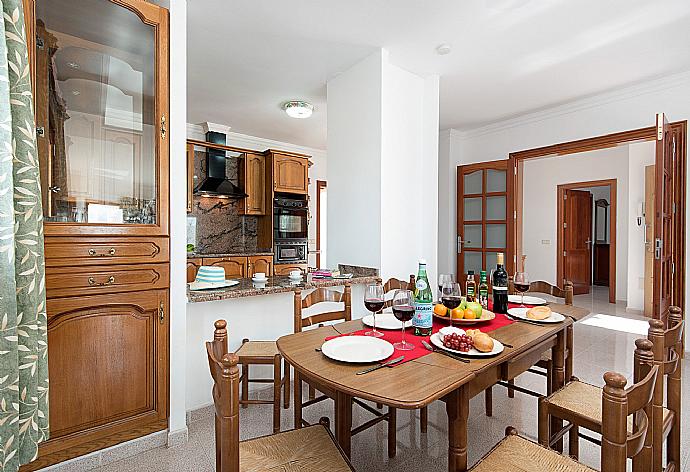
(500, 288)
(423, 315)
(421, 284)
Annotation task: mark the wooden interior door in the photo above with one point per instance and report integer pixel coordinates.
(577, 241)
(482, 221)
(663, 217)
(649, 197)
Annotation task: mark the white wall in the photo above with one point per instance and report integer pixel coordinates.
(178, 212)
(641, 155)
(541, 178)
(354, 168)
(389, 221)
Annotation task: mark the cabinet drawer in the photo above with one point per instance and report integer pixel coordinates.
(103, 251)
(284, 269)
(94, 280)
(192, 268)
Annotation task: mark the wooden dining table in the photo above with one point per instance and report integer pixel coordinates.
(419, 382)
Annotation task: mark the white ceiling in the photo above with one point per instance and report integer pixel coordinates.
(509, 57)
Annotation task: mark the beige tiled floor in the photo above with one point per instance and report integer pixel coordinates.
(598, 349)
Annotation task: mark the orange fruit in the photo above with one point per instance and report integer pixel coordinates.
(469, 314)
(457, 313)
(440, 310)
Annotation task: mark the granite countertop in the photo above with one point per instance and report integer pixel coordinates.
(282, 284)
(191, 255)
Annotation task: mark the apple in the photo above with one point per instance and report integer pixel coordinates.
(476, 308)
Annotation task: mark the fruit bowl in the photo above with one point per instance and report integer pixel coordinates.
(486, 316)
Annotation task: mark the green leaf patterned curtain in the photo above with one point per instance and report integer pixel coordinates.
(23, 325)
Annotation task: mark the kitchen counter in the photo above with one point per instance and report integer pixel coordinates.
(194, 255)
(282, 284)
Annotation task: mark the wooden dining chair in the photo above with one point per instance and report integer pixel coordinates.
(573, 402)
(619, 442)
(310, 449)
(264, 353)
(544, 365)
(301, 321)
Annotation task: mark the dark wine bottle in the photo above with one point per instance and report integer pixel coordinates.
(499, 284)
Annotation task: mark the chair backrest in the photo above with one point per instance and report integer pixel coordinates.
(226, 399)
(322, 295)
(396, 284)
(539, 286)
(668, 352)
(617, 443)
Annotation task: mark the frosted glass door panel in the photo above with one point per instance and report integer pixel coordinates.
(496, 236)
(495, 180)
(473, 209)
(495, 208)
(473, 183)
(473, 261)
(473, 236)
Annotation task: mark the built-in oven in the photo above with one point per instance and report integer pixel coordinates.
(290, 251)
(290, 219)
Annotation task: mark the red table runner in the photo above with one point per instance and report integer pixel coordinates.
(395, 336)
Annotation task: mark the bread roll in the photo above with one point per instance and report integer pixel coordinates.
(483, 342)
(539, 313)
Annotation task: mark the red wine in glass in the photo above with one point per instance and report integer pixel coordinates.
(522, 288)
(451, 301)
(403, 313)
(374, 305)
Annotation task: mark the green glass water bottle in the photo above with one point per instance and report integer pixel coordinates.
(423, 300)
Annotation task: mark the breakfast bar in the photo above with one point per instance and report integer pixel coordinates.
(256, 311)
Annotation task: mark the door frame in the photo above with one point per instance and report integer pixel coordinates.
(612, 184)
(320, 185)
(516, 162)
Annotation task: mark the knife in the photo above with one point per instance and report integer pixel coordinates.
(429, 347)
(384, 364)
(522, 320)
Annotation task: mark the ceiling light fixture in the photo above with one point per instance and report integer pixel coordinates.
(298, 109)
(73, 65)
(443, 49)
(76, 92)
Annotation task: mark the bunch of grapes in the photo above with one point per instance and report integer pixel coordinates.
(462, 342)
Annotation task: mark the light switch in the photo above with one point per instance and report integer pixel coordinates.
(546, 241)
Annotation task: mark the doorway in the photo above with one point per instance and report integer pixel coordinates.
(321, 224)
(586, 236)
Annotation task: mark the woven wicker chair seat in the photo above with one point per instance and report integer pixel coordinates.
(516, 454)
(309, 449)
(258, 349)
(584, 400)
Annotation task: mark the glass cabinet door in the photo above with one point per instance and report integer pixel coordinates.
(99, 114)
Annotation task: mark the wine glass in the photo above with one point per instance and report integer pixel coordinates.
(442, 279)
(521, 284)
(403, 310)
(373, 301)
(451, 297)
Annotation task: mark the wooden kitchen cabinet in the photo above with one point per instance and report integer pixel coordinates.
(253, 179)
(235, 267)
(260, 264)
(108, 359)
(290, 173)
(193, 265)
(284, 269)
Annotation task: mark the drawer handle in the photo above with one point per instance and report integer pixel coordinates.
(110, 281)
(111, 251)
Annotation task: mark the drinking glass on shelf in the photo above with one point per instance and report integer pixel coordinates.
(373, 301)
(403, 310)
(442, 279)
(451, 297)
(521, 284)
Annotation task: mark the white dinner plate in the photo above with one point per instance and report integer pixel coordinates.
(529, 300)
(385, 321)
(357, 349)
(522, 314)
(498, 348)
